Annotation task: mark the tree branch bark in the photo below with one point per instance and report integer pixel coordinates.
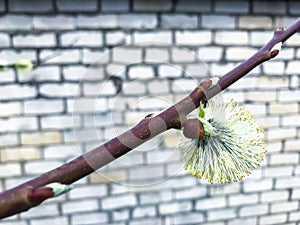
(33, 192)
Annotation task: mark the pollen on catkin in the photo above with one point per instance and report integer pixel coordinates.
(233, 144)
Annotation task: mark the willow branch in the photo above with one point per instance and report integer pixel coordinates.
(18, 199)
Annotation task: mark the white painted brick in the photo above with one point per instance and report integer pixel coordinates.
(59, 90)
(243, 199)
(284, 207)
(90, 218)
(184, 85)
(221, 69)
(8, 139)
(269, 122)
(254, 210)
(231, 38)
(293, 67)
(179, 21)
(265, 7)
(290, 108)
(127, 55)
(257, 109)
(135, 87)
(13, 222)
(90, 191)
(95, 56)
(40, 74)
(193, 6)
(116, 202)
(37, 41)
(55, 220)
(77, 73)
(82, 135)
(84, 105)
(239, 53)
(293, 121)
(289, 96)
(284, 159)
(157, 87)
(74, 207)
(148, 211)
(60, 56)
(255, 22)
(259, 38)
(10, 169)
(281, 133)
(244, 221)
(260, 96)
(77, 5)
(232, 6)
(210, 53)
(190, 193)
(149, 172)
(141, 72)
(7, 76)
(59, 22)
(15, 55)
(150, 221)
(43, 106)
(174, 207)
(157, 55)
(286, 54)
(10, 109)
(273, 196)
(4, 40)
(266, 82)
(232, 188)
(278, 171)
(196, 70)
(218, 21)
(60, 122)
(257, 185)
(15, 124)
(190, 218)
(81, 38)
(39, 167)
(294, 82)
(61, 151)
(106, 88)
(273, 219)
(292, 145)
(285, 183)
(193, 38)
(294, 216)
(120, 215)
(169, 71)
(46, 210)
(99, 21)
(295, 193)
(137, 21)
(117, 38)
(223, 214)
(15, 22)
(158, 38)
(182, 55)
(14, 91)
(211, 203)
(273, 68)
(103, 120)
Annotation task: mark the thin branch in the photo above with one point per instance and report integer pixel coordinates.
(173, 117)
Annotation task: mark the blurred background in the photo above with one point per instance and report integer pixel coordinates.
(103, 66)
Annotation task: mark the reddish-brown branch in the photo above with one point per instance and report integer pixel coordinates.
(27, 195)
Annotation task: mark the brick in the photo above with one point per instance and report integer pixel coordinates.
(149, 172)
(15, 22)
(257, 109)
(59, 122)
(223, 214)
(11, 108)
(286, 108)
(20, 154)
(190, 193)
(294, 82)
(41, 74)
(290, 120)
(210, 53)
(295, 194)
(265, 7)
(46, 210)
(147, 5)
(2, 6)
(59, 22)
(183, 85)
(10, 169)
(266, 82)
(211, 203)
(285, 183)
(191, 38)
(38, 167)
(242, 199)
(55, 220)
(174, 207)
(148, 211)
(254, 210)
(220, 69)
(292, 145)
(196, 70)
(273, 219)
(259, 38)
(273, 68)
(278, 171)
(8, 139)
(281, 133)
(33, 6)
(270, 121)
(84, 105)
(260, 96)
(90, 218)
(100, 21)
(135, 87)
(239, 53)
(233, 188)
(59, 90)
(14, 91)
(60, 56)
(117, 202)
(78, 73)
(232, 6)
(182, 55)
(294, 216)
(60, 151)
(103, 120)
(91, 56)
(255, 22)
(127, 55)
(82, 39)
(179, 21)
(284, 159)
(106, 88)
(90, 191)
(157, 55)
(120, 215)
(108, 177)
(218, 21)
(40, 138)
(157, 87)
(284, 207)
(115, 6)
(137, 21)
(293, 67)
(117, 38)
(76, 6)
(257, 185)
(8, 76)
(286, 54)
(145, 222)
(169, 71)
(274, 196)
(141, 72)
(193, 6)
(294, 7)
(4, 40)
(231, 38)
(15, 55)
(246, 221)
(15, 124)
(189, 218)
(43, 106)
(158, 38)
(74, 207)
(293, 40)
(82, 135)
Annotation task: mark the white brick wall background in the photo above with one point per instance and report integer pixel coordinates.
(147, 186)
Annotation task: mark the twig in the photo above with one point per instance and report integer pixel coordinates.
(173, 117)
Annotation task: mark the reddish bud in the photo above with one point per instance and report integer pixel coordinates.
(193, 129)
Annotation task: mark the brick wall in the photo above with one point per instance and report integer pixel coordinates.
(117, 61)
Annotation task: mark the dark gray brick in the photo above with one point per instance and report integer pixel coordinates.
(2, 6)
(77, 5)
(149, 5)
(30, 6)
(232, 6)
(115, 6)
(267, 7)
(294, 7)
(193, 6)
